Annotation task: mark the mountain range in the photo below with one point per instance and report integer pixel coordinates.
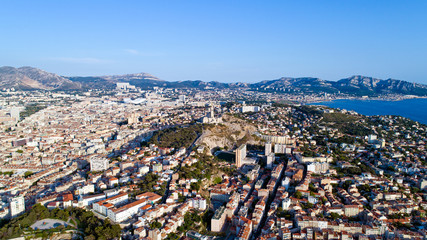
(29, 78)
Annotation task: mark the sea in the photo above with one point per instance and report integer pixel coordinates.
(414, 109)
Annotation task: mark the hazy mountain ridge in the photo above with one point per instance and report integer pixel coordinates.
(144, 81)
(27, 78)
(304, 84)
(356, 85)
(369, 86)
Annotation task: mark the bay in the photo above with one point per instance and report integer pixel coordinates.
(414, 109)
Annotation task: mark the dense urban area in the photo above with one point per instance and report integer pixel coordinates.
(191, 163)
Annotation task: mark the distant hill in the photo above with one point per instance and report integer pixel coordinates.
(142, 80)
(361, 85)
(306, 84)
(93, 82)
(28, 78)
(355, 85)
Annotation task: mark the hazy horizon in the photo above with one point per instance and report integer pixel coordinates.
(218, 41)
(213, 80)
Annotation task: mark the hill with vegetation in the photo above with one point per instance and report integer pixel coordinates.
(85, 222)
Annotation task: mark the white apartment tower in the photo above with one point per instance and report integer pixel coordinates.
(240, 155)
(270, 159)
(98, 164)
(181, 98)
(15, 113)
(267, 149)
(17, 206)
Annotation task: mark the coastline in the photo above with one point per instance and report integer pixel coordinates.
(411, 108)
(391, 99)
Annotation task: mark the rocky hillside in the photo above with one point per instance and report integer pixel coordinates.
(296, 84)
(370, 86)
(27, 78)
(355, 85)
(228, 135)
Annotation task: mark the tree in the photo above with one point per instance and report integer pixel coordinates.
(217, 180)
(28, 173)
(311, 187)
(176, 137)
(155, 225)
(195, 186)
(335, 216)
(181, 198)
(307, 205)
(172, 236)
(91, 226)
(283, 214)
(415, 190)
(346, 184)
(298, 194)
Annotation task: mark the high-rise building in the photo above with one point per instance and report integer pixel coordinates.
(218, 219)
(240, 155)
(15, 113)
(282, 148)
(423, 184)
(98, 164)
(17, 206)
(133, 118)
(155, 234)
(249, 109)
(278, 139)
(372, 138)
(270, 159)
(122, 86)
(211, 113)
(317, 167)
(198, 203)
(267, 148)
(181, 98)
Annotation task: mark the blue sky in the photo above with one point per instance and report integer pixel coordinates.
(224, 41)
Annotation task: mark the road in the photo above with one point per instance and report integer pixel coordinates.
(189, 149)
(269, 201)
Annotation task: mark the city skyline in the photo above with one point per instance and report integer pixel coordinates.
(241, 120)
(169, 163)
(221, 41)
